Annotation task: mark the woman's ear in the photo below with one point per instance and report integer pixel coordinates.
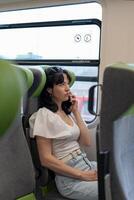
(49, 90)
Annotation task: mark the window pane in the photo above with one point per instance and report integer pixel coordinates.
(84, 71)
(62, 42)
(78, 11)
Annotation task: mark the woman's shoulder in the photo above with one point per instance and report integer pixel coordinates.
(42, 112)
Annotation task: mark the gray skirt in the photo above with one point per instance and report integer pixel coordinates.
(74, 188)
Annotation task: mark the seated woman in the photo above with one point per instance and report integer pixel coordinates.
(60, 131)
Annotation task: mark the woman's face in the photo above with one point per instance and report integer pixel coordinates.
(61, 91)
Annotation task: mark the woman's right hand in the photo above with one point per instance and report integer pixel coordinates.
(74, 107)
(90, 175)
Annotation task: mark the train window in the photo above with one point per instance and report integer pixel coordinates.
(49, 36)
(54, 42)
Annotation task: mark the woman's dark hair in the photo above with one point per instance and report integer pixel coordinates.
(54, 76)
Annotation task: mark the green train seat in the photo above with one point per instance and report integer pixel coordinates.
(17, 176)
(32, 104)
(116, 135)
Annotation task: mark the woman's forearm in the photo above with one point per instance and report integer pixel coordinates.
(60, 167)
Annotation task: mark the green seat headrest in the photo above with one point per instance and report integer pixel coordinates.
(71, 74)
(12, 87)
(39, 80)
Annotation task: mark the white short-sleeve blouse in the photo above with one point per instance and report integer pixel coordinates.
(47, 124)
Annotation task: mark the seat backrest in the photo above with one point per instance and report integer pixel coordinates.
(116, 129)
(32, 105)
(17, 176)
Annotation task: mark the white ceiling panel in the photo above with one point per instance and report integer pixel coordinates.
(22, 4)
